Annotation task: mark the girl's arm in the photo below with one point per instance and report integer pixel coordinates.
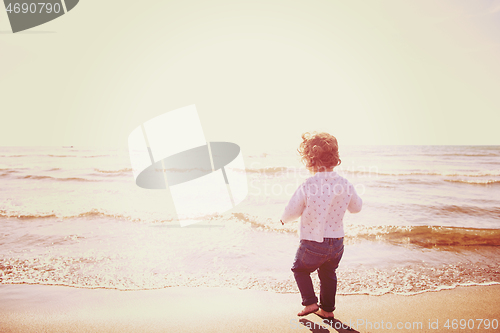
(295, 206)
(356, 203)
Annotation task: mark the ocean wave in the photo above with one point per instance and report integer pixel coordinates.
(492, 154)
(422, 236)
(56, 155)
(267, 170)
(104, 272)
(51, 155)
(464, 210)
(74, 179)
(124, 170)
(444, 237)
(92, 156)
(43, 215)
(377, 173)
(426, 236)
(265, 224)
(6, 213)
(18, 155)
(421, 173)
(7, 172)
(21, 215)
(99, 213)
(368, 171)
(79, 156)
(475, 182)
(415, 279)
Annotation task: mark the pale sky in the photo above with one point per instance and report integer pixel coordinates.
(259, 72)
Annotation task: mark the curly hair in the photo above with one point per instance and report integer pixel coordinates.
(319, 151)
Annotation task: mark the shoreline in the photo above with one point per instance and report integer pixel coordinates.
(43, 308)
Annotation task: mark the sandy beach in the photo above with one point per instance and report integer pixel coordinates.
(37, 308)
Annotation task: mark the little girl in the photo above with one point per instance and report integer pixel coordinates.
(321, 202)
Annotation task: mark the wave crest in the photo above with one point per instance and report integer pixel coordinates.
(124, 170)
(475, 182)
(422, 236)
(75, 179)
(427, 236)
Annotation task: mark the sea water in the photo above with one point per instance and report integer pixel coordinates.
(73, 216)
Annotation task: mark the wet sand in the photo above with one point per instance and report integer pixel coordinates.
(36, 308)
